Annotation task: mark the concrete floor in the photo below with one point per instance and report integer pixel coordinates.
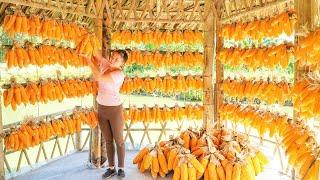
(74, 167)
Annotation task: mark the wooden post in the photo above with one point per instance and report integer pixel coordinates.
(106, 44)
(78, 136)
(305, 15)
(219, 66)
(96, 133)
(215, 40)
(2, 171)
(208, 103)
(78, 141)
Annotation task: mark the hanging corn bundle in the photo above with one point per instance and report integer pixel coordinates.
(256, 58)
(47, 90)
(163, 114)
(167, 84)
(31, 133)
(269, 91)
(259, 29)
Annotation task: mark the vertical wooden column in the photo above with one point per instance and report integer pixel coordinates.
(304, 18)
(208, 103)
(95, 153)
(2, 171)
(106, 45)
(219, 67)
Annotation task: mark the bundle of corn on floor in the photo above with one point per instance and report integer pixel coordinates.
(219, 154)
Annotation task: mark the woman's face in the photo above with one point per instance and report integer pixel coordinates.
(116, 59)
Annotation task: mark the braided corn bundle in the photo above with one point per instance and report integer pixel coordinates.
(306, 51)
(89, 45)
(157, 38)
(46, 28)
(47, 90)
(257, 30)
(159, 60)
(42, 55)
(306, 99)
(30, 133)
(162, 114)
(262, 121)
(302, 150)
(256, 58)
(166, 84)
(269, 91)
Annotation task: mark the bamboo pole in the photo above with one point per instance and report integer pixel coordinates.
(303, 10)
(95, 147)
(218, 66)
(208, 103)
(106, 44)
(155, 20)
(2, 171)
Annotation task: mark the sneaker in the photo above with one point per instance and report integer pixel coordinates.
(109, 173)
(121, 173)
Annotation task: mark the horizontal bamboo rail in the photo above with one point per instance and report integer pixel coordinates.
(155, 20)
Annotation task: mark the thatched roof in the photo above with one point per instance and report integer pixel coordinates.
(144, 14)
(152, 14)
(81, 11)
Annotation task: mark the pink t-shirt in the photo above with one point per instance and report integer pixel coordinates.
(109, 92)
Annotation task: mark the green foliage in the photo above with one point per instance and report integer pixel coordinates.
(180, 47)
(143, 71)
(190, 95)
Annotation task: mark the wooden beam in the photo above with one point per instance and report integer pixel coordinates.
(208, 101)
(238, 15)
(50, 8)
(108, 12)
(155, 20)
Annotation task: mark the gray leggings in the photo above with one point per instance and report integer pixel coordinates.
(111, 123)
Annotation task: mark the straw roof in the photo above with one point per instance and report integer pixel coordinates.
(155, 14)
(81, 11)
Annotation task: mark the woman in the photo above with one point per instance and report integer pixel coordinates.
(110, 78)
